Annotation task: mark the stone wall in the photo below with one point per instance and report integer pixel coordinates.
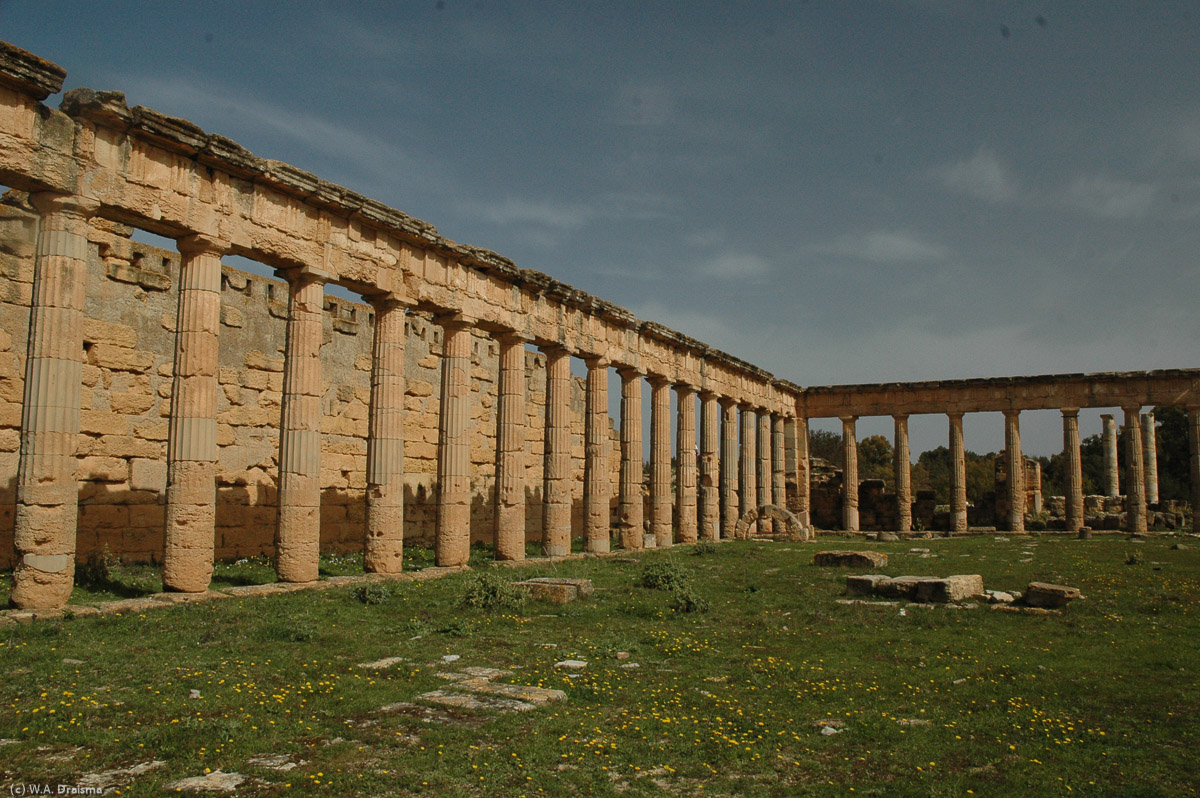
(129, 338)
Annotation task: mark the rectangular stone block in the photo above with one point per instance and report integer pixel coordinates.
(1043, 594)
(851, 559)
(952, 588)
(863, 584)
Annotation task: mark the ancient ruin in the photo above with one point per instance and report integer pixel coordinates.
(174, 409)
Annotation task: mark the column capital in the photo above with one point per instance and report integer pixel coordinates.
(555, 348)
(900, 416)
(1011, 413)
(454, 320)
(848, 419)
(1132, 410)
(1070, 412)
(955, 414)
(68, 204)
(685, 387)
(305, 275)
(630, 373)
(390, 301)
(657, 380)
(510, 336)
(202, 244)
(707, 394)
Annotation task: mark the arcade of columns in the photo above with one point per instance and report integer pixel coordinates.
(95, 157)
(1067, 393)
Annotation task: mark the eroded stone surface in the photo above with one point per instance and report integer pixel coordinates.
(1045, 595)
(217, 781)
(851, 559)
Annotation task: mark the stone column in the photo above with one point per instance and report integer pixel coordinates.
(556, 533)
(778, 475)
(710, 475)
(1135, 488)
(902, 464)
(630, 497)
(660, 463)
(1150, 457)
(849, 475)
(298, 535)
(958, 475)
(1111, 486)
(1074, 486)
(190, 531)
(596, 477)
(510, 449)
(764, 465)
(749, 466)
(47, 510)
(685, 464)
(452, 536)
(384, 550)
(802, 472)
(1015, 465)
(1193, 422)
(729, 466)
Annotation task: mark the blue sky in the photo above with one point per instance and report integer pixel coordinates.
(836, 191)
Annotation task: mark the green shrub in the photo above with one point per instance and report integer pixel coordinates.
(488, 590)
(705, 547)
(98, 571)
(665, 575)
(686, 599)
(373, 593)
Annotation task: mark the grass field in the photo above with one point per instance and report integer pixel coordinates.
(776, 689)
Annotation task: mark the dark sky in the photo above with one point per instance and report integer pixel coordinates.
(836, 191)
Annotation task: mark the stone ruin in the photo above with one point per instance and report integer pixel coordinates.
(177, 410)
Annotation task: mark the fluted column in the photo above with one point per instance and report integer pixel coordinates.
(1109, 440)
(749, 465)
(902, 464)
(298, 535)
(452, 534)
(556, 535)
(764, 465)
(958, 475)
(729, 466)
(630, 497)
(1193, 422)
(47, 495)
(1150, 457)
(710, 497)
(1074, 485)
(596, 477)
(778, 475)
(849, 475)
(685, 464)
(1135, 487)
(660, 463)
(802, 473)
(1015, 463)
(188, 539)
(510, 449)
(384, 550)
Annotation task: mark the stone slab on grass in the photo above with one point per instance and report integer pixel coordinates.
(902, 587)
(951, 588)
(556, 589)
(1044, 594)
(216, 781)
(851, 559)
(863, 584)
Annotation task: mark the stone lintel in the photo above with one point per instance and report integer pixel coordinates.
(29, 73)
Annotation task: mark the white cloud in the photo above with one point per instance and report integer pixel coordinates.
(1110, 198)
(886, 247)
(734, 265)
(981, 176)
(541, 214)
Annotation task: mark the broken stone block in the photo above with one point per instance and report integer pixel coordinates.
(557, 590)
(852, 559)
(1043, 594)
(951, 588)
(863, 584)
(903, 587)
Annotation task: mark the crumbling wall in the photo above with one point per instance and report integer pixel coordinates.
(129, 340)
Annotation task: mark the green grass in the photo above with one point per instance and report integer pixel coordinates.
(1100, 700)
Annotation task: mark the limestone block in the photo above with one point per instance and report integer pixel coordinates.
(901, 587)
(557, 590)
(124, 446)
(90, 375)
(863, 584)
(118, 358)
(255, 380)
(10, 440)
(232, 317)
(260, 362)
(131, 403)
(248, 416)
(147, 474)
(227, 376)
(418, 388)
(99, 422)
(953, 588)
(1043, 594)
(104, 469)
(107, 332)
(852, 559)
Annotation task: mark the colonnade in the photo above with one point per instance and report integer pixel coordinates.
(1141, 469)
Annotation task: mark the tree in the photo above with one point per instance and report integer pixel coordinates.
(1171, 437)
(826, 445)
(875, 460)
